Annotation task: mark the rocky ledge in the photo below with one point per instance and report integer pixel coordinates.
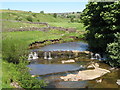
(86, 74)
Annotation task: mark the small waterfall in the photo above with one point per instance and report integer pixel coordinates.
(92, 56)
(97, 56)
(49, 54)
(30, 56)
(35, 56)
(45, 55)
(69, 56)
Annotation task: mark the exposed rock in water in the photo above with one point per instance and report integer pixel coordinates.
(118, 82)
(68, 61)
(86, 74)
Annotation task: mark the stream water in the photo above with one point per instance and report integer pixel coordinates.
(80, 46)
(51, 70)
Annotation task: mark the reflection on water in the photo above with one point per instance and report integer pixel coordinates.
(80, 46)
(68, 84)
(43, 69)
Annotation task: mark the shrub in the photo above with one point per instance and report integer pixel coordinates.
(114, 51)
(29, 18)
(42, 12)
(101, 21)
(13, 49)
(55, 15)
(19, 73)
(18, 18)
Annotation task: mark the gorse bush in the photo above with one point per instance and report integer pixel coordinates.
(114, 51)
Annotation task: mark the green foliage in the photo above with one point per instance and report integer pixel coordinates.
(34, 14)
(71, 16)
(55, 15)
(12, 50)
(114, 51)
(19, 73)
(29, 18)
(72, 19)
(41, 17)
(41, 11)
(79, 26)
(18, 18)
(6, 25)
(102, 21)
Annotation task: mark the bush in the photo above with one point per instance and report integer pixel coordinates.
(34, 14)
(12, 49)
(114, 51)
(19, 73)
(42, 12)
(29, 18)
(102, 21)
(18, 18)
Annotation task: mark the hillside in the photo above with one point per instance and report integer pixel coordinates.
(30, 16)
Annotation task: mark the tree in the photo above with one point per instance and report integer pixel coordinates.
(102, 22)
(55, 15)
(34, 14)
(114, 51)
(41, 11)
(72, 19)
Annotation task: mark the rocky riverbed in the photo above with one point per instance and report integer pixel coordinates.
(86, 74)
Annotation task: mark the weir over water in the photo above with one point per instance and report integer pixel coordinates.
(50, 67)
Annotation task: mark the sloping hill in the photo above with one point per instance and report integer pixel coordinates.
(30, 16)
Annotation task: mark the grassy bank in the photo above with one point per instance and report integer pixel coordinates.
(19, 74)
(15, 44)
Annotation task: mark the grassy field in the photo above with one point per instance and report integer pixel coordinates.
(14, 43)
(78, 26)
(5, 69)
(32, 36)
(9, 25)
(36, 17)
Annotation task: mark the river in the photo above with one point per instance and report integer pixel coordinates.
(51, 70)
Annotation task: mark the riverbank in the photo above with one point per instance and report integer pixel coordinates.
(15, 47)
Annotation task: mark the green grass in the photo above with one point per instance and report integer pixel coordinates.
(9, 25)
(14, 43)
(5, 76)
(30, 36)
(0, 70)
(19, 73)
(78, 26)
(36, 17)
